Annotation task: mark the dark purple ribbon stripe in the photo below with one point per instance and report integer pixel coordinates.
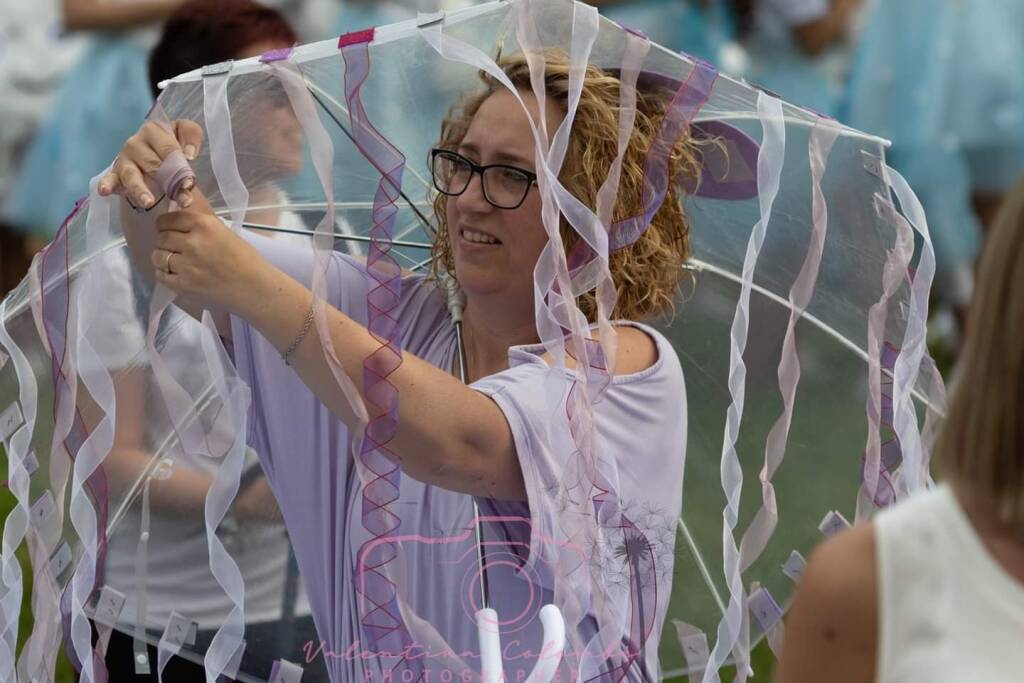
(55, 286)
(891, 452)
(382, 624)
(686, 104)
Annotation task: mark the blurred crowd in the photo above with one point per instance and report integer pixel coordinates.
(936, 77)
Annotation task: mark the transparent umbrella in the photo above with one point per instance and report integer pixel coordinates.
(181, 493)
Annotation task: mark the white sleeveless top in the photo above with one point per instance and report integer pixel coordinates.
(948, 611)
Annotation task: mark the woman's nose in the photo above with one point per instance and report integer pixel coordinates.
(473, 198)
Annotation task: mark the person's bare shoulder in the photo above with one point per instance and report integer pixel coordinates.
(637, 350)
(832, 627)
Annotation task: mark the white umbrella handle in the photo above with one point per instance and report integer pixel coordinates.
(493, 670)
(554, 643)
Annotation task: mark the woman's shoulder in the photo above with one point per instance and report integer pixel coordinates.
(641, 352)
(638, 349)
(832, 629)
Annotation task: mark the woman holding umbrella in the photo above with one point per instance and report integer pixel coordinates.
(494, 440)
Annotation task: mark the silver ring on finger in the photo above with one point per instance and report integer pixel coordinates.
(167, 263)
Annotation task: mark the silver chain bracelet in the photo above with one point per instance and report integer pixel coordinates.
(302, 335)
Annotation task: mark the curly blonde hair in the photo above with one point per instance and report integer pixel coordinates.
(647, 274)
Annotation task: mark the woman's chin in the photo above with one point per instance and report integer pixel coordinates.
(479, 282)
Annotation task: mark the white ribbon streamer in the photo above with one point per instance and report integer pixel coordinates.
(734, 629)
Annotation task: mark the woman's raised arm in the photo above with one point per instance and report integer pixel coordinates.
(104, 15)
(133, 177)
(448, 434)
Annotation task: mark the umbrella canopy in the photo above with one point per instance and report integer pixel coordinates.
(146, 455)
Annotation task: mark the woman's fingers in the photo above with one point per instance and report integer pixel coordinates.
(134, 183)
(166, 153)
(182, 222)
(171, 240)
(140, 151)
(160, 258)
(184, 197)
(109, 184)
(144, 155)
(190, 137)
(157, 144)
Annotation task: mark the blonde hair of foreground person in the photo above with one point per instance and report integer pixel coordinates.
(647, 274)
(833, 628)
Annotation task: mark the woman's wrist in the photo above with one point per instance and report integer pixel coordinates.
(277, 306)
(258, 292)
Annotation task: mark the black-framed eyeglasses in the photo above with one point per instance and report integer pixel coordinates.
(504, 187)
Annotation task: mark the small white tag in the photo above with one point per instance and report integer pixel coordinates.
(286, 672)
(794, 566)
(872, 164)
(109, 606)
(218, 68)
(42, 509)
(764, 609)
(61, 560)
(10, 420)
(833, 523)
(886, 210)
(696, 651)
(44, 519)
(427, 18)
(694, 644)
(180, 631)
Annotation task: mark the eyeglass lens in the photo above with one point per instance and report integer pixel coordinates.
(504, 186)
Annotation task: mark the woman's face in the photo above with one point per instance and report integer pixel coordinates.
(502, 261)
(281, 138)
(276, 136)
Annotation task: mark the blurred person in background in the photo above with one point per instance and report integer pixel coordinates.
(354, 15)
(102, 98)
(177, 575)
(933, 589)
(33, 58)
(940, 79)
(702, 28)
(799, 49)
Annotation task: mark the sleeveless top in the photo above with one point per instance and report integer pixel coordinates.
(948, 610)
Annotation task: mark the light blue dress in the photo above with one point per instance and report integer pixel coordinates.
(949, 95)
(953, 80)
(354, 16)
(777, 63)
(681, 25)
(101, 102)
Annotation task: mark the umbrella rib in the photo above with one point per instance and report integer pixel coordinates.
(337, 236)
(703, 266)
(154, 462)
(409, 229)
(317, 93)
(422, 263)
(704, 572)
(304, 205)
